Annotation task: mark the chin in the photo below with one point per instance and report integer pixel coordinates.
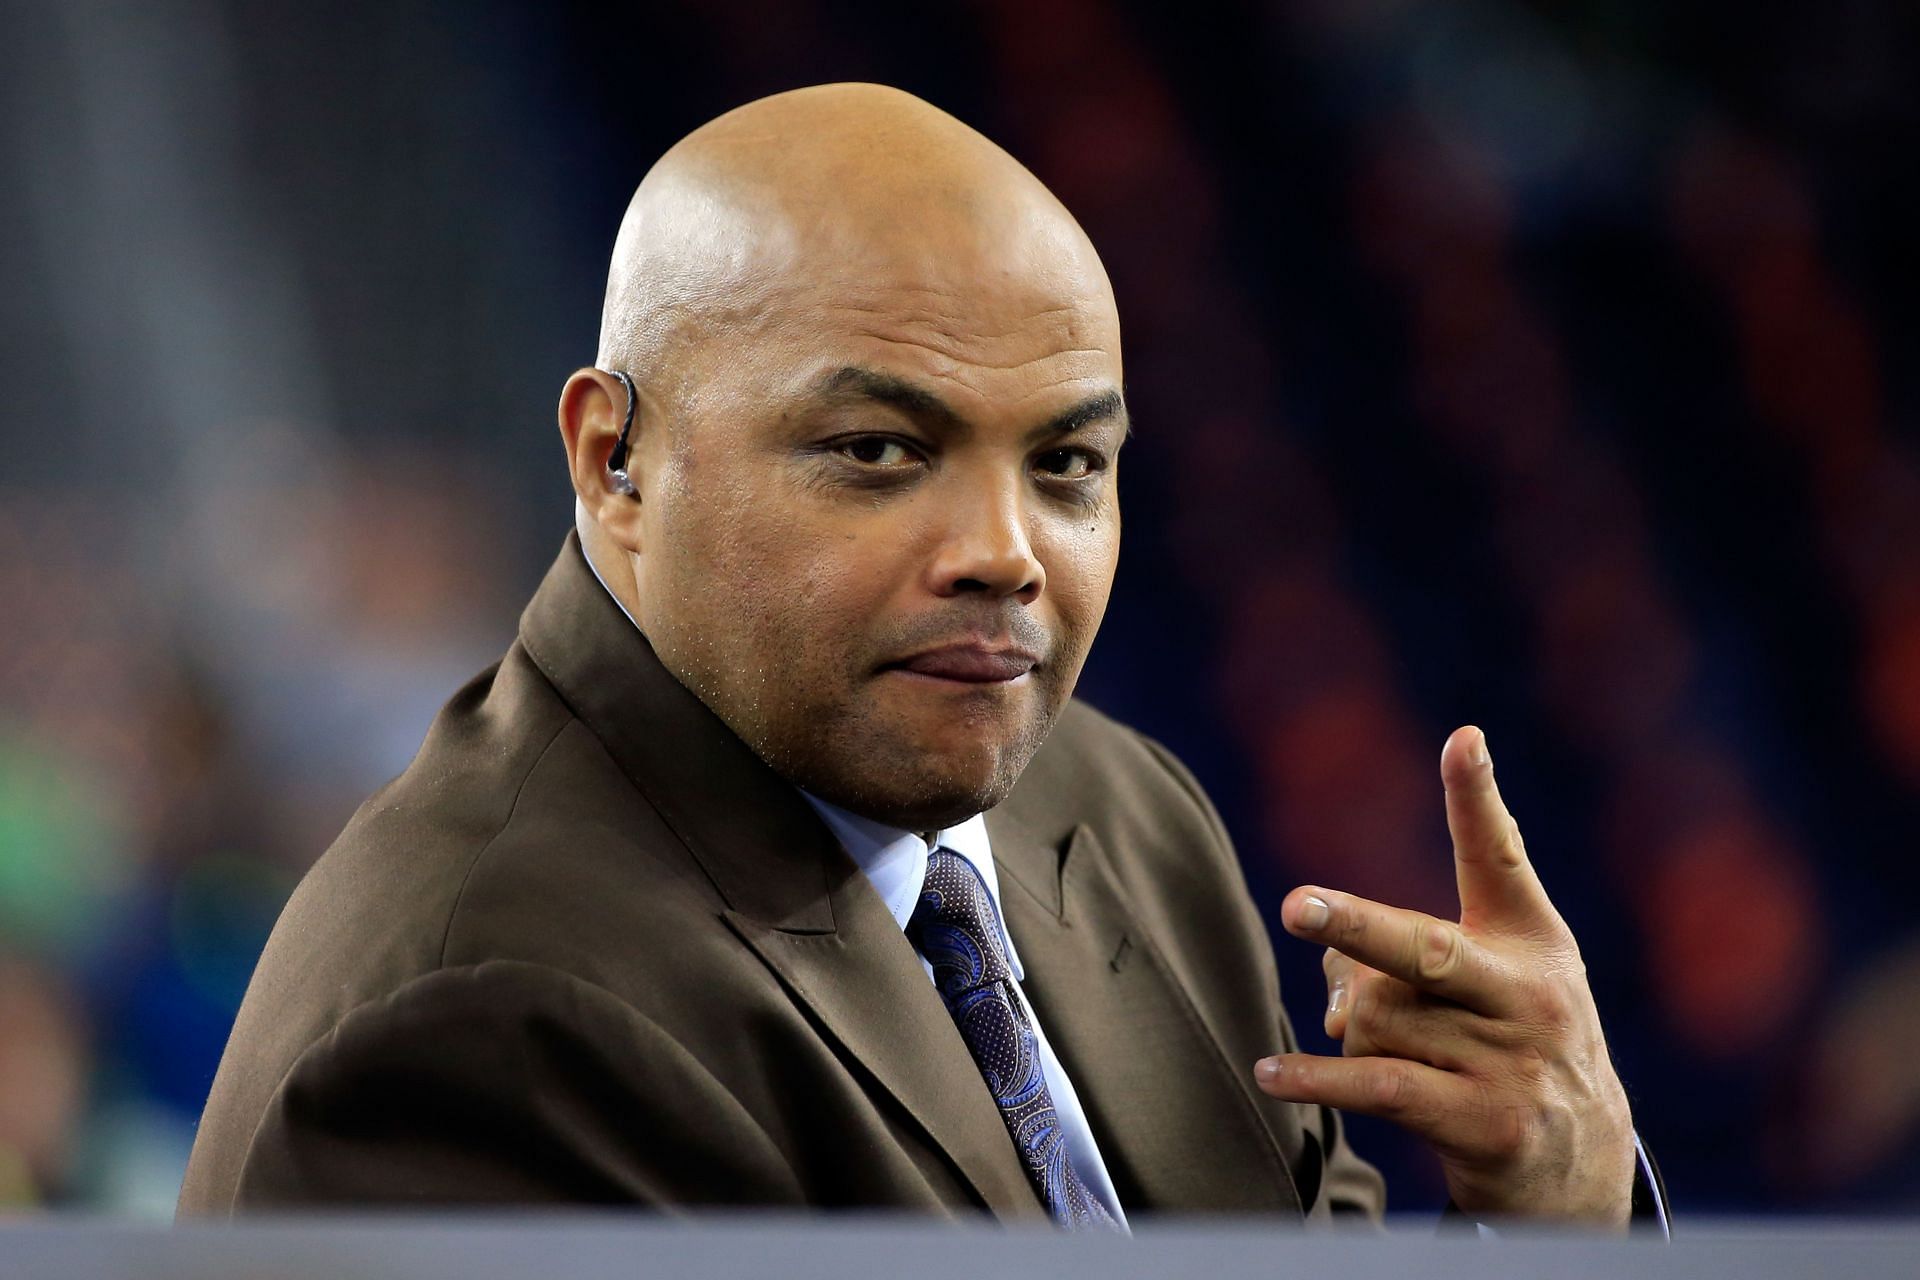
(909, 775)
(921, 808)
(921, 799)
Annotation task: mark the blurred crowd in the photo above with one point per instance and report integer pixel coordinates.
(172, 755)
(1547, 370)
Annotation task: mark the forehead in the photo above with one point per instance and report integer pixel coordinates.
(983, 320)
(992, 291)
(993, 335)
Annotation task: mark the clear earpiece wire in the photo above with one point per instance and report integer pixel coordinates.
(617, 460)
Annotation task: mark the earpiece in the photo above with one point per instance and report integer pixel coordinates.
(617, 460)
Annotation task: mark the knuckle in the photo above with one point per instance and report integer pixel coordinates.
(1509, 1131)
(1511, 849)
(1555, 1005)
(1517, 1122)
(1436, 954)
(1391, 1089)
(1366, 1013)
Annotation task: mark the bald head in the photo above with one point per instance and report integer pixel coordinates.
(868, 510)
(832, 187)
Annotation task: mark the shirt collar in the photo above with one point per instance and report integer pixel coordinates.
(895, 861)
(594, 569)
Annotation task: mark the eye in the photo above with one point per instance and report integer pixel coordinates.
(879, 452)
(1068, 464)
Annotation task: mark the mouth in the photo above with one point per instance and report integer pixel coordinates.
(974, 664)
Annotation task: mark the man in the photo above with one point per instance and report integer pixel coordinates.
(652, 917)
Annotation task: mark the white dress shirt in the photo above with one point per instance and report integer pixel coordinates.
(895, 863)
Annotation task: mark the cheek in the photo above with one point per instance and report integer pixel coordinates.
(721, 521)
(764, 574)
(710, 555)
(1080, 570)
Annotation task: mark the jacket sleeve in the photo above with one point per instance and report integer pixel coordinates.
(499, 1083)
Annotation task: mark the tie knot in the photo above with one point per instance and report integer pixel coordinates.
(955, 926)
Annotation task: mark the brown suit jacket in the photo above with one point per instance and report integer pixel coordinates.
(589, 948)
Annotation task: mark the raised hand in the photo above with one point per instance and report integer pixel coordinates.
(1479, 1035)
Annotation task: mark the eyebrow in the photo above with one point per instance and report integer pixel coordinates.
(853, 382)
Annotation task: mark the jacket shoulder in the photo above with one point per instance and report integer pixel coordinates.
(378, 903)
(374, 910)
(381, 1109)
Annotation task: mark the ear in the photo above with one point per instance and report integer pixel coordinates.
(593, 405)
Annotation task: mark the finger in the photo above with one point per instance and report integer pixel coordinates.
(1434, 955)
(1497, 883)
(1388, 1018)
(1440, 1106)
(1341, 974)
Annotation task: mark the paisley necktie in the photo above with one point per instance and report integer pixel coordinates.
(955, 927)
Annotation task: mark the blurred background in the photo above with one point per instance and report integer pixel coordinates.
(1550, 367)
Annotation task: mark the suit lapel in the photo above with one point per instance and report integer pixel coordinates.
(792, 893)
(865, 985)
(1177, 1126)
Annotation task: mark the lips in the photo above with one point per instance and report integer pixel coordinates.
(969, 664)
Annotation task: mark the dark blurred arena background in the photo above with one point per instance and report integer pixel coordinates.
(1551, 367)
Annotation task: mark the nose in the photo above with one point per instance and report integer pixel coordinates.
(987, 548)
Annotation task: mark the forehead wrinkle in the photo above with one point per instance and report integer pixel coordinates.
(951, 309)
(969, 346)
(1055, 333)
(959, 360)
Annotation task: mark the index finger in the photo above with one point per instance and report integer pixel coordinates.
(1497, 882)
(1425, 953)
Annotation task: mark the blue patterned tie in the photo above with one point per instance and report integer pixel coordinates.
(954, 925)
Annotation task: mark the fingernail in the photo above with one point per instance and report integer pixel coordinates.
(1335, 999)
(1314, 913)
(1267, 1070)
(1480, 753)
